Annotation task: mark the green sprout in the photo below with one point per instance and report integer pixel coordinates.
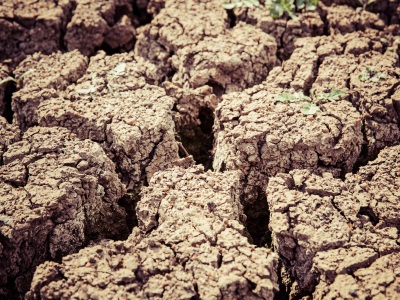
(118, 71)
(93, 87)
(310, 106)
(370, 74)
(16, 80)
(239, 3)
(278, 7)
(364, 4)
(115, 73)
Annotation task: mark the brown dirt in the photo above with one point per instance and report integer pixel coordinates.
(56, 193)
(333, 234)
(196, 250)
(307, 204)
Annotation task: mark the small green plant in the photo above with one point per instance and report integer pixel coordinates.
(364, 4)
(118, 71)
(93, 87)
(278, 7)
(310, 106)
(16, 80)
(239, 3)
(115, 73)
(370, 74)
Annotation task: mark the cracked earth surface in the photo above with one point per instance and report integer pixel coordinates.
(144, 154)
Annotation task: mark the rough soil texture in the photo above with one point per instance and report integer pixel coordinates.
(9, 134)
(93, 23)
(49, 76)
(261, 138)
(141, 139)
(340, 239)
(233, 61)
(388, 10)
(26, 28)
(321, 64)
(48, 26)
(117, 100)
(177, 26)
(195, 250)
(285, 30)
(344, 19)
(56, 193)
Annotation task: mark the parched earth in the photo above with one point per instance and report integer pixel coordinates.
(169, 150)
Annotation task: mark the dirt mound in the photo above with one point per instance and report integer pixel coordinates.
(260, 137)
(327, 230)
(46, 77)
(233, 61)
(9, 134)
(48, 26)
(175, 28)
(93, 23)
(321, 64)
(30, 27)
(285, 30)
(56, 193)
(107, 91)
(196, 250)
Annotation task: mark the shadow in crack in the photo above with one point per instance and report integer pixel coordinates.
(198, 139)
(9, 90)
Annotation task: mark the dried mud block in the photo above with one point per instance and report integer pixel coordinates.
(349, 57)
(131, 118)
(233, 61)
(29, 27)
(45, 77)
(380, 280)
(197, 251)
(327, 230)
(9, 133)
(344, 19)
(93, 24)
(177, 27)
(285, 30)
(387, 9)
(155, 6)
(56, 193)
(261, 138)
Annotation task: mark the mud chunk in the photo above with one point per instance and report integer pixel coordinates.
(175, 28)
(379, 280)
(46, 76)
(122, 35)
(285, 30)
(238, 59)
(344, 19)
(27, 28)
(113, 104)
(194, 251)
(334, 230)
(9, 134)
(373, 99)
(175, 194)
(92, 24)
(388, 10)
(261, 137)
(56, 193)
